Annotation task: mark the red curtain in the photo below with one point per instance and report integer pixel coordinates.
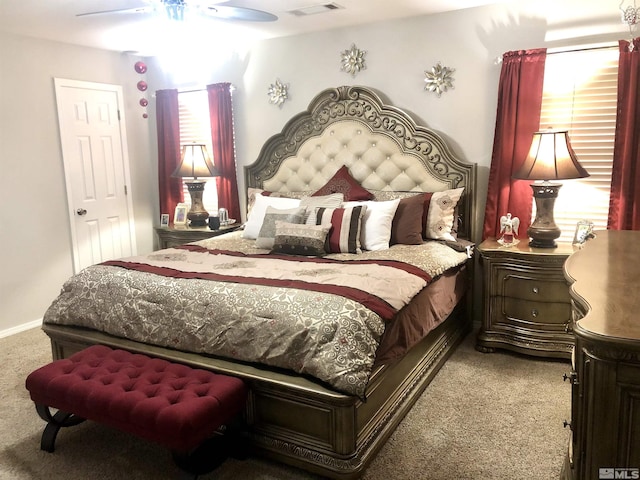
(624, 203)
(168, 124)
(224, 156)
(518, 117)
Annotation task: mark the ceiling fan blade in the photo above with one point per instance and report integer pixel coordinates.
(121, 10)
(239, 13)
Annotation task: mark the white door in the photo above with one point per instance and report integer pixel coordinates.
(96, 167)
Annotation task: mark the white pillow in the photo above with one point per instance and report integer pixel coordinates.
(376, 224)
(256, 217)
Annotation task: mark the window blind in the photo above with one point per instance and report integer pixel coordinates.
(580, 94)
(195, 126)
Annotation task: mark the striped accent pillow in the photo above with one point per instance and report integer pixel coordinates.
(346, 224)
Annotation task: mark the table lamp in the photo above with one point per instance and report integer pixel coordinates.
(195, 162)
(550, 158)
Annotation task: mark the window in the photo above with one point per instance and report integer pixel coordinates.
(195, 126)
(580, 94)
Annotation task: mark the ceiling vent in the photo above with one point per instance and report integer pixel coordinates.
(315, 9)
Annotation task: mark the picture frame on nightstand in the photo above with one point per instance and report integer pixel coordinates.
(180, 214)
(164, 220)
(584, 230)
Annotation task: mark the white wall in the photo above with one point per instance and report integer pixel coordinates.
(35, 239)
(36, 253)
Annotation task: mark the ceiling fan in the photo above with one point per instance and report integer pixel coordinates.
(175, 10)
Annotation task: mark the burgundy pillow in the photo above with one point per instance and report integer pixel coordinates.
(407, 226)
(343, 182)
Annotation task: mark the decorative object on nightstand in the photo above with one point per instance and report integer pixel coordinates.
(196, 162)
(509, 229)
(550, 158)
(527, 308)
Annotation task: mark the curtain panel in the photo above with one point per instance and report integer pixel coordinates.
(517, 118)
(224, 155)
(168, 124)
(624, 203)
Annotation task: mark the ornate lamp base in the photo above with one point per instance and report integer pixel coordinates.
(543, 231)
(197, 215)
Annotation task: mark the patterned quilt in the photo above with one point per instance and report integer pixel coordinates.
(318, 318)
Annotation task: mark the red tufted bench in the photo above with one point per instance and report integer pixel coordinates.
(174, 405)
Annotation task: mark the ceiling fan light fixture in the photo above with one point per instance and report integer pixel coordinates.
(315, 9)
(179, 10)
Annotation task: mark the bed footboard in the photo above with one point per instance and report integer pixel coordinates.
(298, 421)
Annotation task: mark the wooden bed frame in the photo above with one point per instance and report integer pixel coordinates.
(291, 418)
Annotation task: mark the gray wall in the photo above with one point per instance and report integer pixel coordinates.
(35, 239)
(36, 253)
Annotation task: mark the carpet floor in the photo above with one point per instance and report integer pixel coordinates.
(485, 416)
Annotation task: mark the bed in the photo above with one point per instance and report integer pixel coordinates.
(328, 414)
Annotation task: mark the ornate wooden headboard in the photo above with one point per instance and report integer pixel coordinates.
(381, 145)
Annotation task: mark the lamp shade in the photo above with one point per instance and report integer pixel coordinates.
(195, 162)
(551, 158)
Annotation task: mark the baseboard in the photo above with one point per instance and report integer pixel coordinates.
(20, 328)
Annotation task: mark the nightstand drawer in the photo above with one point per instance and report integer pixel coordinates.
(534, 289)
(537, 312)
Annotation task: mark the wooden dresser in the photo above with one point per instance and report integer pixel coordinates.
(605, 382)
(527, 307)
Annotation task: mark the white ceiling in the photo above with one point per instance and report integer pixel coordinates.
(144, 33)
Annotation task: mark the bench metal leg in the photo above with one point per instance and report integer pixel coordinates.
(54, 424)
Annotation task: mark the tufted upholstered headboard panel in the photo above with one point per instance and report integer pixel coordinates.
(381, 145)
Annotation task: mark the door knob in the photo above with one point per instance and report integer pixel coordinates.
(81, 211)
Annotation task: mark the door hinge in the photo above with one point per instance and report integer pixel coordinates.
(125, 190)
(118, 115)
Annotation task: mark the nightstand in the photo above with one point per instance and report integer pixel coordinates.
(179, 235)
(527, 308)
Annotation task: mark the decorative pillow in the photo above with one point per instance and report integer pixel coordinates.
(268, 230)
(343, 182)
(328, 201)
(300, 239)
(346, 223)
(407, 224)
(441, 214)
(376, 224)
(254, 222)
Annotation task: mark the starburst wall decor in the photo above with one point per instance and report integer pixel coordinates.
(439, 79)
(278, 93)
(353, 60)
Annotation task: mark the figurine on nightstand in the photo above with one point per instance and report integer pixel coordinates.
(509, 230)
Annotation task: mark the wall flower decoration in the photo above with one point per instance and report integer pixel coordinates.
(353, 60)
(439, 79)
(278, 93)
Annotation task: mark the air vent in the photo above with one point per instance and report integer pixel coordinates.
(315, 9)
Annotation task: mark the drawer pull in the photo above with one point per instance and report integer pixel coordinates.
(535, 290)
(572, 377)
(534, 312)
(566, 424)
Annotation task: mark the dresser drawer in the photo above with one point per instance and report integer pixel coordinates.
(550, 313)
(517, 285)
